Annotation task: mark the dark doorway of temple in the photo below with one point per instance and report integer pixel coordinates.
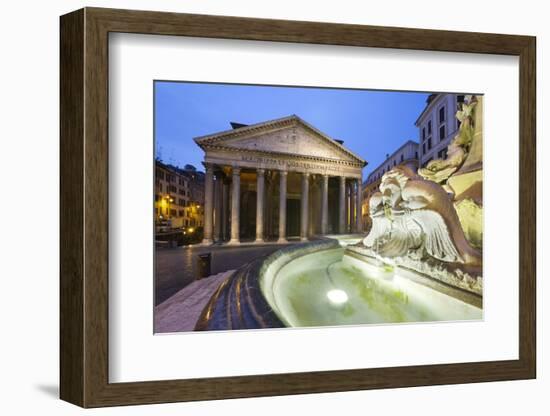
(293, 217)
(248, 216)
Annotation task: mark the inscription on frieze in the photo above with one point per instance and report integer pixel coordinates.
(289, 164)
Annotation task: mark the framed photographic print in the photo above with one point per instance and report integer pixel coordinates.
(256, 207)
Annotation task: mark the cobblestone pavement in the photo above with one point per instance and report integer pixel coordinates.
(177, 267)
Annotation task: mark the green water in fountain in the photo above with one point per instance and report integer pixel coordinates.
(328, 288)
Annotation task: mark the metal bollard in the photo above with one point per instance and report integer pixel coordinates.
(204, 265)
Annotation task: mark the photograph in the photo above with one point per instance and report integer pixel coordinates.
(294, 206)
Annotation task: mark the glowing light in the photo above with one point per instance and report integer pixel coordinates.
(337, 296)
(191, 230)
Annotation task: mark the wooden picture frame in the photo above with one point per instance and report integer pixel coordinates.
(84, 207)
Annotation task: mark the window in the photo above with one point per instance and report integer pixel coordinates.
(173, 212)
(416, 155)
(402, 157)
(394, 162)
(160, 174)
(423, 148)
(442, 133)
(157, 197)
(429, 143)
(181, 191)
(160, 187)
(181, 213)
(429, 127)
(423, 133)
(172, 188)
(181, 202)
(442, 115)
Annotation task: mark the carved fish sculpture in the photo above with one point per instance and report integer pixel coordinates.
(413, 215)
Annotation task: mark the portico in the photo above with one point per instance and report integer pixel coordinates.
(277, 180)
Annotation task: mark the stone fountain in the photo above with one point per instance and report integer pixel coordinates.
(431, 221)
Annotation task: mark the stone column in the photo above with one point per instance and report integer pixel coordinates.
(353, 207)
(260, 193)
(225, 209)
(218, 207)
(359, 203)
(282, 206)
(304, 211)
(324, 205)
(342, 206)
(208, 202)
(347, 207)
(235, 206)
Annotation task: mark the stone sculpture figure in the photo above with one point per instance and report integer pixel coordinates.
(440, 170)
(415, 217)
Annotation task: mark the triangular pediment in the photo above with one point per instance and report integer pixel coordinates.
(289, 135)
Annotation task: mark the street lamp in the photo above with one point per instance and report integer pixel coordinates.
(168, 200)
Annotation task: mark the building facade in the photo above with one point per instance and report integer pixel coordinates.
(406, 155)
(179, 196)
(276, 180)
(437, 126)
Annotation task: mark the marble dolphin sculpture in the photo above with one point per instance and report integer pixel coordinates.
(412, 216)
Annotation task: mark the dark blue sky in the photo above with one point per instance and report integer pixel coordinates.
(371, 123)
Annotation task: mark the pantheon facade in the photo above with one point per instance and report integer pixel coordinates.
(277, 180)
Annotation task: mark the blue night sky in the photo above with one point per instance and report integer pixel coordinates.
(371, 123)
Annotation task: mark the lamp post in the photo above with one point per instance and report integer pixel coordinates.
(168, 200)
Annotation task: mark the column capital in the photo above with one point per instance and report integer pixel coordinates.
(342, 179)
(306, 174)
(260, 171)
(236, 170)
(283, 172)
(208, 166)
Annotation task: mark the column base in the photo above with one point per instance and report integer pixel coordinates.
(259, 241)
(207, 242)
(233, 242)
(282, 241)
(304, 239)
